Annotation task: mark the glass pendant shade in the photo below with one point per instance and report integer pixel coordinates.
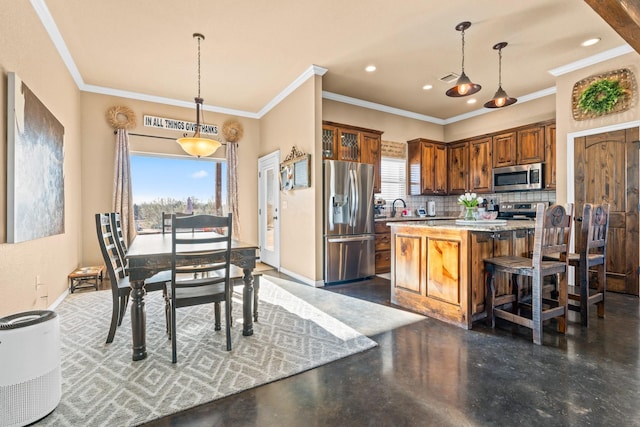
(500, 99)
(464, 86)
(196, 145)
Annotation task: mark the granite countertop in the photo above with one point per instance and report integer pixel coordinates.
(416, 218)
(451, 224)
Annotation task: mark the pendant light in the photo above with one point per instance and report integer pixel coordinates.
(197, 145)
(500, 99)
(464, 86)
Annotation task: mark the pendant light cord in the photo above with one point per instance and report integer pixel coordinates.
(462, 51)
(500, 67)
(199, 38)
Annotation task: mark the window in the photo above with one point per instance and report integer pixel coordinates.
(393, 175)
(175, 184)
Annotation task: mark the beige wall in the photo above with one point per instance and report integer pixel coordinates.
(98, 156)
(565, 122)
(395, 128)
(516, 115)
(294, 121)
(25, 48)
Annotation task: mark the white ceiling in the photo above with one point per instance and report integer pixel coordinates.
(255, 49)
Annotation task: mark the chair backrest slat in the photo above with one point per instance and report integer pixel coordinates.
(166, 220)
(109, 249)
(552, 230)
(197, 252)
(595, 226)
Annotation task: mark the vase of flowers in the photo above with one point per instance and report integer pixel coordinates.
(469, 201)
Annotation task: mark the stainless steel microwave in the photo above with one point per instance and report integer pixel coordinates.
(518, 178)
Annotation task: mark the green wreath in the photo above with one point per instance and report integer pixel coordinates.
(601, 96)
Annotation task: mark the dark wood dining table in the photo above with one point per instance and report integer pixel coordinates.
(150, 254)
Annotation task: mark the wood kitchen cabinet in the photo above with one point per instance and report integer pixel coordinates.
(530, 145)
(426, 167)
(550, 156)
(383, 247)
(458, 173)
(353, 144)
(504, 150)
(480, 161)
(371, 154)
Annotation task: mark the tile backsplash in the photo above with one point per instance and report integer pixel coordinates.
(449, 204)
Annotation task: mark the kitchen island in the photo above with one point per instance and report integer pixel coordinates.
(437, 267)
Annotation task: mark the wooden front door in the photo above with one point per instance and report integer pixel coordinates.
(606, 170)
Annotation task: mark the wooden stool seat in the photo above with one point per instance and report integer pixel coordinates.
(86, 277)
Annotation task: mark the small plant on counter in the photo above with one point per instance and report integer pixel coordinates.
(469, 200)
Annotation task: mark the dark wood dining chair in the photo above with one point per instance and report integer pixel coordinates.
(120, 287)
(552, 234)
(166, 220)
(200, 269)
(592, 258)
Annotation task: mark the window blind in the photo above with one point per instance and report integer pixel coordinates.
(393, 176)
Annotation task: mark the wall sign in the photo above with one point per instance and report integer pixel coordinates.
(178, 125)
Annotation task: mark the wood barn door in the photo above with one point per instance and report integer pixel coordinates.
(606, 170)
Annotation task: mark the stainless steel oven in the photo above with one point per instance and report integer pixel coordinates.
(517, 178)
(519, 210)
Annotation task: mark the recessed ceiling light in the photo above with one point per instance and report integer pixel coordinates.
(370, 68)
(471, 101)
(427, 87)
(590, 42)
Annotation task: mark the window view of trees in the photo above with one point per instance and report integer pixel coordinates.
(170, 185)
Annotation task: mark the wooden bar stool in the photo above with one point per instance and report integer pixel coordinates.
(591, 256)
(552, 234)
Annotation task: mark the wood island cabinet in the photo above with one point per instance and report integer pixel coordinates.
(383, 247)
(438, 270)
(488, 245)
(426, 167)
(530, 145)
(353, 144)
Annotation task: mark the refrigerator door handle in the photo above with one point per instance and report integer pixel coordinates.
(351, 239)
(354, 197)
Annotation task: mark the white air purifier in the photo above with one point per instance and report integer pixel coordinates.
(30, 378)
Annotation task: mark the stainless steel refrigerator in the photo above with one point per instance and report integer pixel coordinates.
(349, 240)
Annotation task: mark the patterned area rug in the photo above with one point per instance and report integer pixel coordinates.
(102, 386)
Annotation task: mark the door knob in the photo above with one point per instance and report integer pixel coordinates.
(275, 217)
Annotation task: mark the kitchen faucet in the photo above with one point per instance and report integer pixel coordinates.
(393, 207)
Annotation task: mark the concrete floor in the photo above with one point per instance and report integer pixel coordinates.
(428, 373)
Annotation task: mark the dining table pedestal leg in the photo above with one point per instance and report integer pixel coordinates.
(138, 320)
(247, 302)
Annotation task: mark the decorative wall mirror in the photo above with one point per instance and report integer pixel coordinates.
(295, 170)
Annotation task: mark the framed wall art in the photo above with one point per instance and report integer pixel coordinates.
(35, 166)
(295, 170)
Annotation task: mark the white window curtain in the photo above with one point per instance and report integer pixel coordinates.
(232, 182)
(122, 194)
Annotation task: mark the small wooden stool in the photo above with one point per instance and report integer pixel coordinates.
(85, 277)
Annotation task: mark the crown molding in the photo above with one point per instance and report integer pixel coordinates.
(313, 70)
(592, 60)
(380, 107)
